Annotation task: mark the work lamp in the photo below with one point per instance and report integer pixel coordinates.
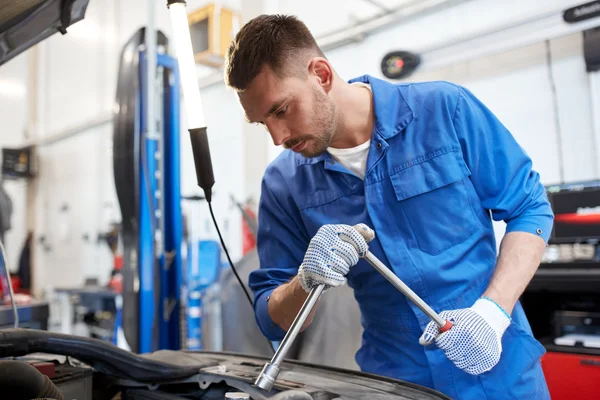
(191, 95)
(193, 107)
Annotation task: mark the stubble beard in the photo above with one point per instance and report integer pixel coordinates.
(324, 123)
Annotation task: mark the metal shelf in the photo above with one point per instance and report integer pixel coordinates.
(550, 346)
(567, 277)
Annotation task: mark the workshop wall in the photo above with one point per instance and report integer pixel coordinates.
(13, 114)
(76, 197)
(76, 93)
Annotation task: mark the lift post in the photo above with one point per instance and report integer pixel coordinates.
(161, 221)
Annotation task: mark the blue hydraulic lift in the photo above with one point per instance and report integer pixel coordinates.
(160, 243)
(157, 281)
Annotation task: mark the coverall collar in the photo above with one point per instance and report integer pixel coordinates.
(392, 112)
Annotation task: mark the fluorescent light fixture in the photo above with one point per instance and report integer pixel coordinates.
(187, 64)
(191, 96)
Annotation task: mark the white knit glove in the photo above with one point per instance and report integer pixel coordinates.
(474, 343)
(331, 253)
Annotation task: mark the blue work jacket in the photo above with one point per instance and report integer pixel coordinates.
(440, 167)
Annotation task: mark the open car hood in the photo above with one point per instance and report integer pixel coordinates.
(25, 23)
(147, 376)
(318, 382)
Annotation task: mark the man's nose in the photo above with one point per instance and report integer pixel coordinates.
(279, 133)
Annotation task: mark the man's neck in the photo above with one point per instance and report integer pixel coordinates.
(356, 115)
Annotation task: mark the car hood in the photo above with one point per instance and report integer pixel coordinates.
(240, 370)
(25, 23)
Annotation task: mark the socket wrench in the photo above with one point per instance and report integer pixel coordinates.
(270, 371)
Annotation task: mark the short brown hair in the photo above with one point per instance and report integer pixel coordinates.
(273, 40)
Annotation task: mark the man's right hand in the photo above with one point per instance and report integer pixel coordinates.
(330, 255)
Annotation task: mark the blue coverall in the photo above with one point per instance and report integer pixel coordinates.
(440, 167)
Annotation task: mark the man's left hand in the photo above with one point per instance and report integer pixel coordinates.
(474, 343)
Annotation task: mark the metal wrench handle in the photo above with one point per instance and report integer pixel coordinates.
(294, 330)
(405, 290)
(268, 375)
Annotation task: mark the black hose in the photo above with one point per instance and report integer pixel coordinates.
(21, 381)
(103, 356)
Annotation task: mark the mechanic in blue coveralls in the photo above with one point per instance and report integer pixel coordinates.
(425, 165)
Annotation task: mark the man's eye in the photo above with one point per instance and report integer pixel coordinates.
(282, 111)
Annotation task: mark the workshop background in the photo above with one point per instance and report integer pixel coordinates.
(57, 100)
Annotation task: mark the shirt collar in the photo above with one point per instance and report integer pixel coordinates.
(392, 113)
(300, 159)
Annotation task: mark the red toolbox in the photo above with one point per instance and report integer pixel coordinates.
(572, 375)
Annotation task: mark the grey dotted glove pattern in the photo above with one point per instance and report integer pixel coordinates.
(331, 253)
(474, 343)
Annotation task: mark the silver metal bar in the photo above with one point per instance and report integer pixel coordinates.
(379, 5)
(268, 375)
(406, 12)
(9, 283)
(294, 330)
(405, 290)
(270, 371)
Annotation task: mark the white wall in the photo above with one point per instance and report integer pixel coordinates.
(73, 199)
(13, 114)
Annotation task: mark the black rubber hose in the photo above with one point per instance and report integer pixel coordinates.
(103, 356)
(21, 381)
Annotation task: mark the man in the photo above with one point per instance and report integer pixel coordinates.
(425, 165)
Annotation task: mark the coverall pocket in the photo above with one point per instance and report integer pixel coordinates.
(432, 192)
(518, 374)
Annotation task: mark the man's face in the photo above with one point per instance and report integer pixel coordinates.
(296, 112)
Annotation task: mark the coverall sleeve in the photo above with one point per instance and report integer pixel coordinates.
(501, 171)
(281, 244)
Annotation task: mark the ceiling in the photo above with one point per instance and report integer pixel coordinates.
(323, 17)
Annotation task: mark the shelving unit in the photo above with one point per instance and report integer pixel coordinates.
(573, 286)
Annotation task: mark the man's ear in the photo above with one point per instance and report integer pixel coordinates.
(320, 68)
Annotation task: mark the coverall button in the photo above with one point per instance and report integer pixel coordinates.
(379, 145)
(539, 231)
(331, 162)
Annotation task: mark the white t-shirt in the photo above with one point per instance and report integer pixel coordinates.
(354, 158)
